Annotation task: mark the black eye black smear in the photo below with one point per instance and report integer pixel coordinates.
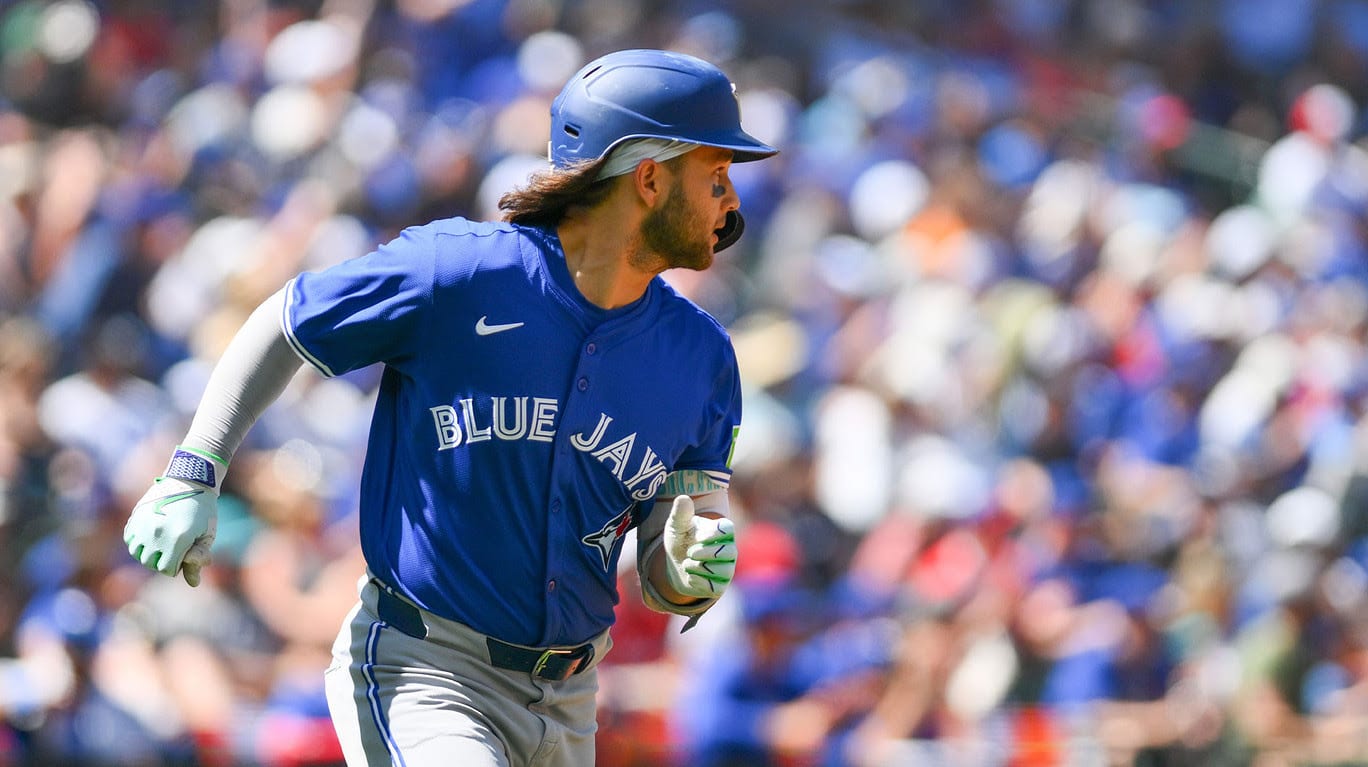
(719, 190)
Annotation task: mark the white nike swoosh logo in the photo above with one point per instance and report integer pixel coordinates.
(484, 328)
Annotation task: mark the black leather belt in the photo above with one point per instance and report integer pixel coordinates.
(554, 664)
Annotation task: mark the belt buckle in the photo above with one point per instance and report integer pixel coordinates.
(575, 659)
(545, 658)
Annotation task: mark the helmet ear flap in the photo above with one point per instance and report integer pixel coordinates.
(730, 231)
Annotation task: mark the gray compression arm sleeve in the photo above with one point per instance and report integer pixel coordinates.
(255, 368)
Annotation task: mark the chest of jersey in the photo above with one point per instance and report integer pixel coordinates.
(517, 381)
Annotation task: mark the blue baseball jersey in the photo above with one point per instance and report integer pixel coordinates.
(520, 431)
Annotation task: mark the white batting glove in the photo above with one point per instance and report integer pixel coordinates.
(700, 552)
(172, 527)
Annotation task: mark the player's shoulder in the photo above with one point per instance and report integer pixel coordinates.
(495, 234)
(459, 226)
(464, 246)
(688, 319)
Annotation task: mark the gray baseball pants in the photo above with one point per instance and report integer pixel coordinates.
(402, 701)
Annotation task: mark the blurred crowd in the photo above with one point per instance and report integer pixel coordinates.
(1052, 315)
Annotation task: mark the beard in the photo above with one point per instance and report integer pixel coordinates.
(673, 234)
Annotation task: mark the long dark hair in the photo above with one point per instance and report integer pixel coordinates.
(546, 197)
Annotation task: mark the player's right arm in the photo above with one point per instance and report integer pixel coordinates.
(361, 311)
(172, 527)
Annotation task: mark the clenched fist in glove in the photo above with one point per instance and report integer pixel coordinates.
(172, 527)
(700, 551)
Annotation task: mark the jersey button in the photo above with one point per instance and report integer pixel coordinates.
(583, 384)
(555, 505)
(551, 585)
(591, 348)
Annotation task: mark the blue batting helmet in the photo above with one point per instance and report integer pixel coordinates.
(648, 94)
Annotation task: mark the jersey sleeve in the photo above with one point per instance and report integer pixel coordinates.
(362, 311)
(722, 422)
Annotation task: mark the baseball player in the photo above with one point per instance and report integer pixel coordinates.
(544, 392)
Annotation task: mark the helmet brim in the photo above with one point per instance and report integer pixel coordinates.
(749, 149)
(744, 147)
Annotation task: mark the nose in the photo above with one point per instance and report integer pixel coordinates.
(730, 199)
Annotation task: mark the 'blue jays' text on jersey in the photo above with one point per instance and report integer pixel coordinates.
(520, 431)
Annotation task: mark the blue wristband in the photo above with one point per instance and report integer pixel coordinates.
(192, 467)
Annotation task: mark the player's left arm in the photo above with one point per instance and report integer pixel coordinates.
(687, 545)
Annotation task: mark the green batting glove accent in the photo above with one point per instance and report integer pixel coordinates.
(159, 506)
(204, 454)
(717, 578)
(715, 559)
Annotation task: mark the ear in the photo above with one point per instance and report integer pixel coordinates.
(649, 180)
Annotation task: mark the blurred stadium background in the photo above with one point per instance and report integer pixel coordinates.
(1052, 316)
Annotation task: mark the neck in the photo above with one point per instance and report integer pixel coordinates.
(599, 252)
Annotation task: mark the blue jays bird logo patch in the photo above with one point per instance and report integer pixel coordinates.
(606, 538)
